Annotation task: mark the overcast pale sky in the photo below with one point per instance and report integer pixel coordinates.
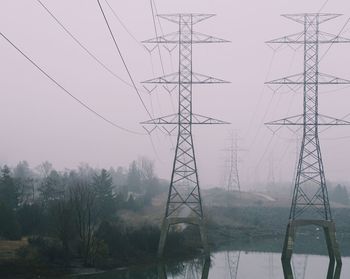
(40, 122)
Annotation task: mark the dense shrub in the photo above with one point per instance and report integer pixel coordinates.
(10, 228)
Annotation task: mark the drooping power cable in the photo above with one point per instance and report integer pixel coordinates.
(67, 92)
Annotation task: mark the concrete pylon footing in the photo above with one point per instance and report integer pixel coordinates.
(331, 241)
(167, 222)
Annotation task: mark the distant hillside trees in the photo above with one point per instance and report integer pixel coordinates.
(9, 200)
(65, 213)
(105, 198)
(340, 195)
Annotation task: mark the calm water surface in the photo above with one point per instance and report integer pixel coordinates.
(232, 265)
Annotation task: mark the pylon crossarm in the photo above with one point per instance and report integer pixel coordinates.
(195, 18)
(200, 119)
(322, 17)
(168, 79)
(298, 38)
(196, 38)
(330, 121)
(289, 39)
(327, 38)
(171, 38)
(329, 79)
(200, 78)
(203, 38)
(323, 79)
(292, 120)
(292, 79)
(298, 120)
(194, 79)
(173, 119)
(168, 119)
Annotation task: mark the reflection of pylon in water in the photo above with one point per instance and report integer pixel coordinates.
(299, 263)
(271, 267)
(191, 271)
(194, 269)
(232, 260)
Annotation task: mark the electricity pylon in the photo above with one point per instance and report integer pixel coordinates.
(310, 203)
(184, 203)
(233, 182)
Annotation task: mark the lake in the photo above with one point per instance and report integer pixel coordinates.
(231, 265)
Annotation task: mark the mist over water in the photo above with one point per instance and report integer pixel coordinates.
(234, 265)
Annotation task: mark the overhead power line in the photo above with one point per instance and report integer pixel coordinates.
(67, 92)
(323, 6)
(70, 34)
(127, 70)
(122, 23)
(122, 58)
(156, 33)
(158, 47)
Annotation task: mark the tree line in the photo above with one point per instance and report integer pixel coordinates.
(73, 214)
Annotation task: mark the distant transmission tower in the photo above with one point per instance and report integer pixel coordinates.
(310, 203)
(184, 204)
(233, 182)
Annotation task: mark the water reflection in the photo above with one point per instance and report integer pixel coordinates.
(227, 267)
(299, 264)
(194, 269)
(232, 265)
(296, 269)
(232, 260)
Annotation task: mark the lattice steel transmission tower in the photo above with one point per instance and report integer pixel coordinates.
(310, 203)
(233, 182)
(184, 203)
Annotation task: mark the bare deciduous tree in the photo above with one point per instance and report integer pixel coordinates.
(83, 202)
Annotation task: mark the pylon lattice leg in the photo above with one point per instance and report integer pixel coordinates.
(332, 246)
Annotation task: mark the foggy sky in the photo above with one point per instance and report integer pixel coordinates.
(40, 122)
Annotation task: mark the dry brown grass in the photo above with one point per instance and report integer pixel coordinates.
(8, 248)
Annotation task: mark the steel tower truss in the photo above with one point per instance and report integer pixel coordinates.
(184, 203)
(233, 182)
(310, 203)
